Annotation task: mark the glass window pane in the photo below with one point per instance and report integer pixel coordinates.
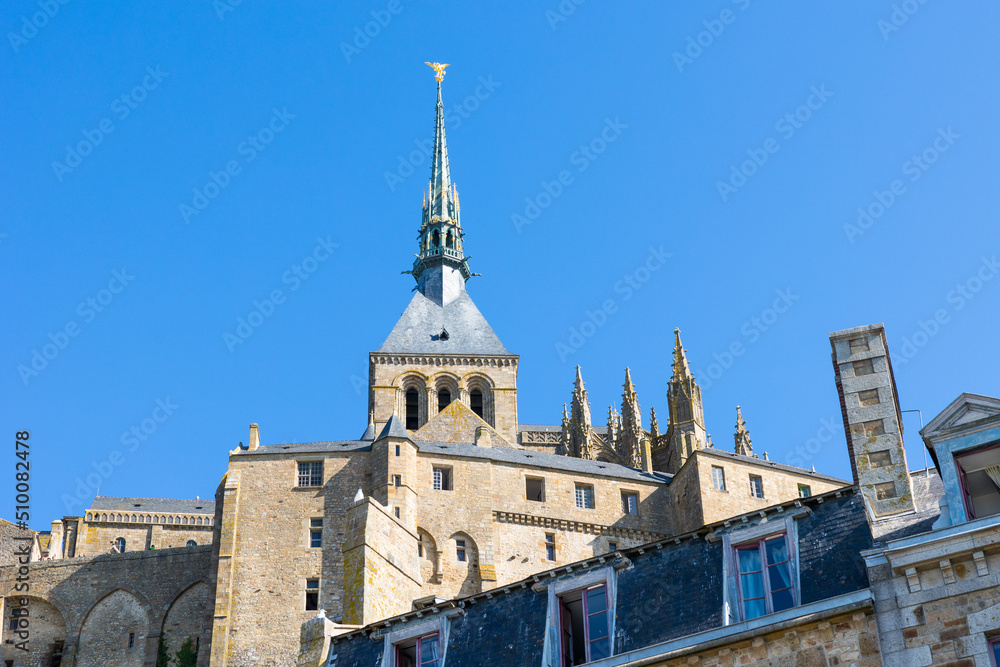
(597, 626)
(753, 586)
(779, 576)
(783, 600)
(753, 608)
(749, 559)
(596, 600)
(429, 652)
(600, 649)
(777, 551)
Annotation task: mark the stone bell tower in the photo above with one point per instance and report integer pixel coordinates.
(442, 349)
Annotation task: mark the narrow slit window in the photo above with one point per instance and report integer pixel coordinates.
(316, 533)
(476, 402)
(444, 398)
(412, 409)
(460, 554)
(312, 594)
(550, 546)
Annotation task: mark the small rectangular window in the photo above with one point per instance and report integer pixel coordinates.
(630, 503)
(764, 577)
(585, 496)
(131, 640)
(310, 473)
(397, 481)
(880, 459)
(885, 491)
(534, 489)
(312, 594)
(858, 345)
(584, 620)
(868, 397)
(420, 652)
(995, 650)
(863, 367)
(612, 546)
(756, 486)
(804, 491)
(550, 546)
(395, 510)
(397, 450)
(719, 478)
(460, 550)
(316, 533)
(442, 479)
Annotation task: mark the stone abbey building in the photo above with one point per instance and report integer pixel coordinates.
(311, 553)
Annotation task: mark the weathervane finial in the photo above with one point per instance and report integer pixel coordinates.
(438, 70)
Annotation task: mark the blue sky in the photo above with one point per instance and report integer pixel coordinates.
(739, 138)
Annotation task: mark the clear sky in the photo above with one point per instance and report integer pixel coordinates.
(642, 166)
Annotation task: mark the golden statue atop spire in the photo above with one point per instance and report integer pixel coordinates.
(438, 70)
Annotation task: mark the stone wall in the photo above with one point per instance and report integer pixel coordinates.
(845, 641)
(47, 632)
(102, 599)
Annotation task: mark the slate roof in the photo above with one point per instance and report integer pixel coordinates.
(555, 461)
(394, 428)
(499, 454)
(418, 328)
(153, 505)
(927, 492)
(772, 464)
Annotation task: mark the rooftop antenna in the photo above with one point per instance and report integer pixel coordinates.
(927, 471)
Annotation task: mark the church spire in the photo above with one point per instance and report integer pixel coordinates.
(580, 441)
(441, 267)
(743, 445)
(631, 435)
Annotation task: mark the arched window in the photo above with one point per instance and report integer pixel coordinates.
(449, 240)
(444, 398)
(120, 544)
(436, 239)
(476, 402)
(192, 543)
(412, 409)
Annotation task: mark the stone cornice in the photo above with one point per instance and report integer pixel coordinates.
(444, 359)
(576, 526)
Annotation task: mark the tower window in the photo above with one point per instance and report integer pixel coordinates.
(550, 546)
(312, 594)
(436, 239)
(534, 489)
(449, 240)
(412, 408)
(444, 398)
(131, 640)
(476, 402)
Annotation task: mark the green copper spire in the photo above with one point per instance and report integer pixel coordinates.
(441, 267)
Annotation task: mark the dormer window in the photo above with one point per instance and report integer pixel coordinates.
(979, 472)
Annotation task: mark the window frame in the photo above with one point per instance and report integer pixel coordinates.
(626, 505)
(753, 493)
(550, 547)
(541, 482)
(807, 488)
(461, 551)
(588, 490)
(315, 529)
(993, 650)
(587, 641)
(311, 590)
(443, 481)
(759, 543)
(970, 512)
(398, 646)
(720, 478)
(310, 476)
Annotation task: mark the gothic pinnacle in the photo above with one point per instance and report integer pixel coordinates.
(742, 437)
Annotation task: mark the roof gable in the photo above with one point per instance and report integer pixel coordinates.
(968, 412)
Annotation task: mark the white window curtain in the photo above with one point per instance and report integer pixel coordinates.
(994, 474)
